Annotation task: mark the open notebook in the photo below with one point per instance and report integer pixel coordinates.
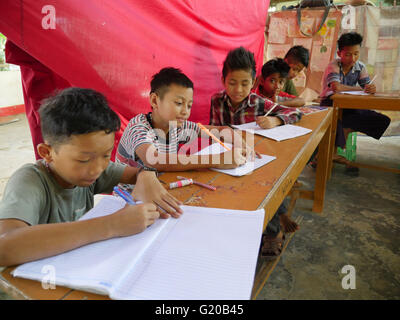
(247, 168)
(287, 131)
(205, 254)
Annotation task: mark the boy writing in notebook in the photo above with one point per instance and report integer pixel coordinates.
(347, 73)
(237, 105)
(43, 201)
(274, 74)
(153, 139)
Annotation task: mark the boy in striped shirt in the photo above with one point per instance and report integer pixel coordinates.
(153, 139)
(347, 73)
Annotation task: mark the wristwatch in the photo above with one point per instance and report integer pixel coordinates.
(144, 168)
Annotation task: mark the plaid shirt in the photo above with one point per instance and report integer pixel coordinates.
(222, 113)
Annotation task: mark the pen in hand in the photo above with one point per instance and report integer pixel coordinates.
(124, 195)
(373, 79)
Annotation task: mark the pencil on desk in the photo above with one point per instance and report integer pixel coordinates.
(212, 136)
(207, 186)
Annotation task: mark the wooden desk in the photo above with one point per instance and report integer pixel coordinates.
(347, 101)
(265, 188)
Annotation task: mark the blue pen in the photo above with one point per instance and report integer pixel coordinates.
(128, 199)
(127, 194)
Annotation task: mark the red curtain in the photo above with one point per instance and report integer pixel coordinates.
(116, 46)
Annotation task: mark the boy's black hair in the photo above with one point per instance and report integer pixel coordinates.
(76, 111)
(349, 39)
(239, 59)
(167, 76)
(277, 65)
(299, 54)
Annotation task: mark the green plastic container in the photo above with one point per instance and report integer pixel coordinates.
(351, 147)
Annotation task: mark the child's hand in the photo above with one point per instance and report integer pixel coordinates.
(251, 154)
(149, 189)
(370, 88)
(268, 122)
(133, 219)
(232, 159)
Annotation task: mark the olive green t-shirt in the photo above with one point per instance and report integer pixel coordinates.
(34, 196)
(290, 88)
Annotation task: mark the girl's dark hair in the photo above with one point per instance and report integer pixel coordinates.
(239, 59)
(299, 54)
(349, 39)
(277, 65)
(167, 76)
(76, 111)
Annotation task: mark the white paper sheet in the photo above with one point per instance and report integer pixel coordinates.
(247, 168)
(280, 133)
(355, 93)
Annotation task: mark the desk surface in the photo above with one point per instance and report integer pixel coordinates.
(265, 188)
(367, 102)
(373, 102)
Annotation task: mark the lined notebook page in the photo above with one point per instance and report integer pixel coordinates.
(95, 267)
(280, 133)
(206, 254)
(242, 170)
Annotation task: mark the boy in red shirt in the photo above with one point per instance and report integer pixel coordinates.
(273, 77)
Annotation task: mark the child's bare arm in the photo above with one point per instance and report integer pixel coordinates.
(295, 102)
(177, 162)
(337, 87)
(268, 122)
(20, 242)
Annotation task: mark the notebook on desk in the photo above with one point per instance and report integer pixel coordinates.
(205, 254)
(242, 170)
(280, 133)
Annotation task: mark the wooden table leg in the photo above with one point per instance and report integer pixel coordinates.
(335, 116)
(322, 171)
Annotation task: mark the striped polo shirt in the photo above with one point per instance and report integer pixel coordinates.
(140, 131)
(334, 73)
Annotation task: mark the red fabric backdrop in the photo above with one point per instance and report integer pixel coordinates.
(116, 46)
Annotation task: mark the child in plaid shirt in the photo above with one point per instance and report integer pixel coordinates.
(238, 105)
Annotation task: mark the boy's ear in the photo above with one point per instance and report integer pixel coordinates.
(223, 81)
(153, 100)
(44, 150)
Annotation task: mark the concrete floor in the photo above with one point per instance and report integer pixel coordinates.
(359, 226)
